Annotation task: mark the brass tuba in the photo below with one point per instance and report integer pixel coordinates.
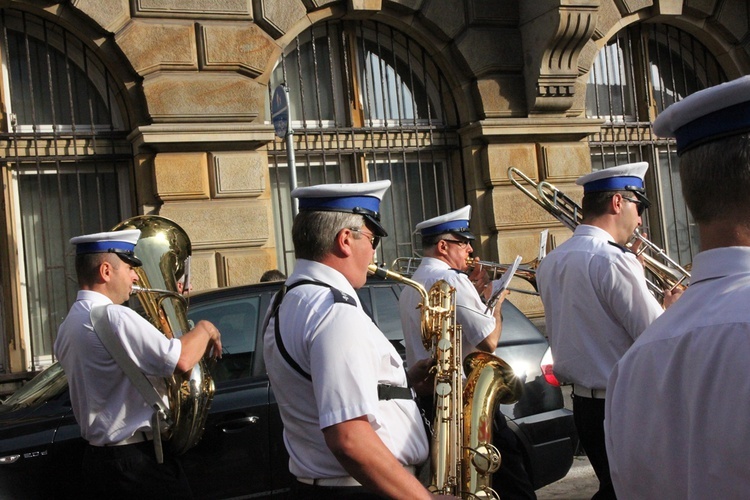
(463, 457)
(164, 248)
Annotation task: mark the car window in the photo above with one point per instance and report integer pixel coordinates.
(237, 320)
(43, 387)
(517, 328)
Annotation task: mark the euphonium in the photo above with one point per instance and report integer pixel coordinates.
(164, 248)
(463, 457)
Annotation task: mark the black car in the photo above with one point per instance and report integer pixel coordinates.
(242, 452)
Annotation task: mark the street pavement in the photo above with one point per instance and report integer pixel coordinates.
(579, 484)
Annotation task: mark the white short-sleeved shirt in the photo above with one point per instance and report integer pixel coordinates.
(596, 304)
(476, 325)
(677, 406)
(347, 356)
(106, 404)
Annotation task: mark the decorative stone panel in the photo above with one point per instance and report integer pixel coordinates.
(445, 19)
(238, 174)
(277, 16)
(203, 98)
(630, 6)
(241, 267)
(501, 96)
(109, 14)
(499, 158)
(514, 210)
(152, 46)
(564, 162)
(244, 48)
(203, 272)
(492, 11)
(193, 8)
(491, 50)
(223, 224)
(700, 8)
(410, 5)
(181, 176)
(733, 19)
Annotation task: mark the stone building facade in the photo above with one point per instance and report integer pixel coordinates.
(175, 119)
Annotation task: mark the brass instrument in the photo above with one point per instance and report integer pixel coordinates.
(527, 271)
(463, 457)
(668, 274)
(164, 248)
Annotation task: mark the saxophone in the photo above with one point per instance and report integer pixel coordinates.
(164, 248)
(463, 457)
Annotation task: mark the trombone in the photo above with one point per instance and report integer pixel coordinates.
(527, 271)
(668, 274)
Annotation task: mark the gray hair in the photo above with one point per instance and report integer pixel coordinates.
(716, 179)
(314, 233)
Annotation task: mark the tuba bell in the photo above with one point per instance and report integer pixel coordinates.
(164, 248)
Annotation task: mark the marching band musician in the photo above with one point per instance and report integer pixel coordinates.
(596, 300)
(115, 419)
(446, 246)
(680, 388)
(351, 425)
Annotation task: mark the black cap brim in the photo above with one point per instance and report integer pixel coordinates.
(130, 259)
(378, 230)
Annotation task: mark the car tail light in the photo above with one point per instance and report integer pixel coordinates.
(547, 368)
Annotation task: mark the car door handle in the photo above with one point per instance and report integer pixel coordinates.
(238, 424)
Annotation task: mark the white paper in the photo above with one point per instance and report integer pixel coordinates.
(501, 284)
(543, 236)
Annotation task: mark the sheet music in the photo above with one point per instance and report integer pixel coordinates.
(543, 236)
(501, 284)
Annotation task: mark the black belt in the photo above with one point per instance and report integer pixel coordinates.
(386, 392)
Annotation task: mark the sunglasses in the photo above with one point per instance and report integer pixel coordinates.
(641, 205)
(461, 244)
(374, 240)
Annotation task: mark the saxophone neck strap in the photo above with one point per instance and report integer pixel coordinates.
(385, 391)
(162, 417)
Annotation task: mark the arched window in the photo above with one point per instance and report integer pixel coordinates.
(641, 71)
(67, 162)
(367, 103)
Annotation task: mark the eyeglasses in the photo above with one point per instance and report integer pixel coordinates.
(374, 240)
(461, 244)
(639, 203)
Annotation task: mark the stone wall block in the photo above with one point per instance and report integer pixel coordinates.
(408, 5)
(630, 6)
(236, 47)
(514, 210)
(669, 7)
(111, 15)
(188, 97)
(152, 45)
(203, 272)
(278, 16)
(242, 267)
(491, 50)
(700, 8)
(193, 8)
(238, 174)
(500, 96)
(500, 157)
(564, 162)
(223, 224)
(445, 19)
(181, 176)
(733, 19)
(492, 12)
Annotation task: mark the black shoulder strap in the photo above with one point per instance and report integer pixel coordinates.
(621, 247)
(338, 296)
(385, 392)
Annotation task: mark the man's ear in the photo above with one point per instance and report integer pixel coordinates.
(105, 271)
(615, 203)
(343, 243)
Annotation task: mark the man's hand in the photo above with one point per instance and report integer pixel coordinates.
(422, 376)
(671, 296)
(480, 279)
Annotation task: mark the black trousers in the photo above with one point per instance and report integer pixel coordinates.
(131, 472)
(588, 415)
(302, 491)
